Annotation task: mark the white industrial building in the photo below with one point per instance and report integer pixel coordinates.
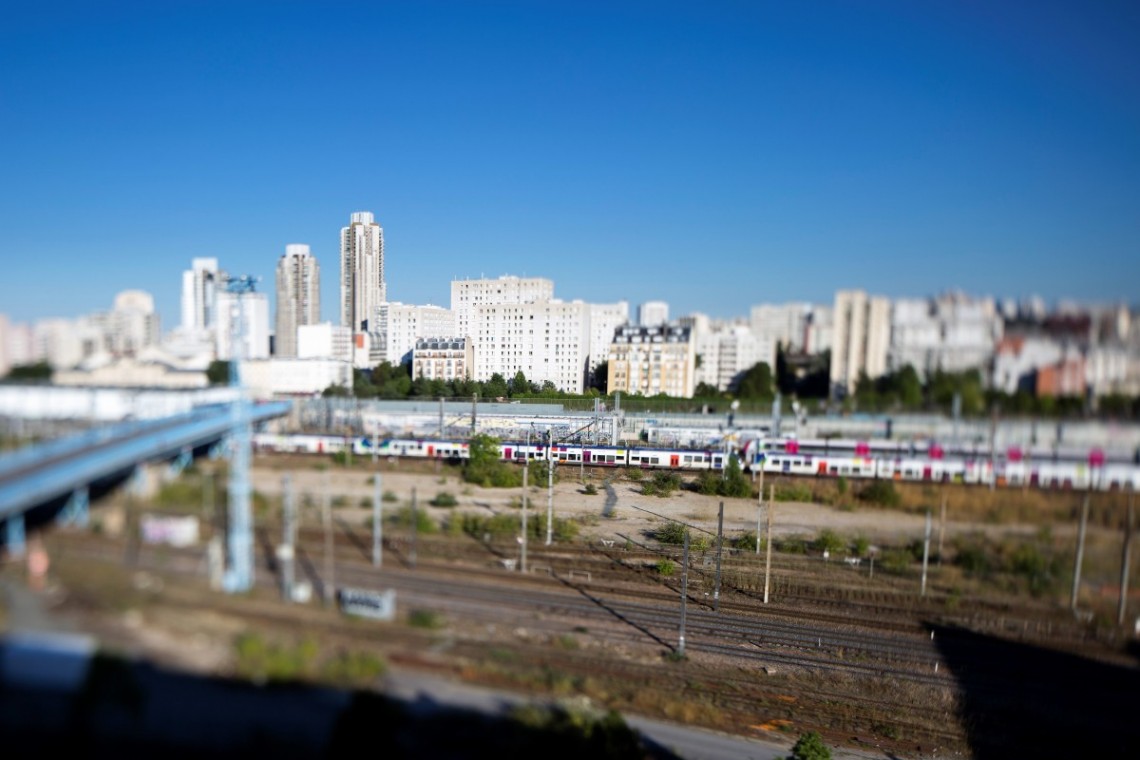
(267, 378)
(324, 341)
(729, 350)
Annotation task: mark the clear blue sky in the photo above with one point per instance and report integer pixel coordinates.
(710, 154)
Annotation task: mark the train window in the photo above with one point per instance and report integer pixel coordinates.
(635, 459)
(688, 458)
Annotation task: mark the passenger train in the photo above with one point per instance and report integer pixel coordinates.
(921, 461)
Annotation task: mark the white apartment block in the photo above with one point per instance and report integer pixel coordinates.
(819, 330)
(298, 296)
(469, 295)
(201, 284)
(130, 326)
(65, 343)
(444, 359)
(653, 360)
(605, 319)
(546, 340)
(861, 338)
(784, 324)
(653, 314)
(324, 341)
(362, 285)
(727, 351)
(400, 325)
(253, 311)
(951, 333)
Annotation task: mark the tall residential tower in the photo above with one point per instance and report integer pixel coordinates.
(298, 296)
(362, 287)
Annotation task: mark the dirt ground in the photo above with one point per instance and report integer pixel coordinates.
(618, 509)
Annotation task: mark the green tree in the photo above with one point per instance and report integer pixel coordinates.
(704, 390)
(601, 378)
(810, 747)
(756, 383)
(484, 466)
(519, 385)
(495, 388)
(218, 373)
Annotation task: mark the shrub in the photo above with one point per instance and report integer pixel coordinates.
(424, 523)
(897, 561)
(829, 541)
(810, 747)
(881, 492)
(666, 567)
(590, 490)
(634, 473)
(424, 619)
(841, 485)
(746, 541)
(671, 533)
(860, 546)
(793, 492)
(444, 499)
(661, 484)
(389, 497)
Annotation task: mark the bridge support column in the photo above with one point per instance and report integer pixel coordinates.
(180, 463)
(217, 450)
(14, 540)
(77, 510)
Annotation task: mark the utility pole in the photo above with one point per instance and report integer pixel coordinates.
(925, 553)
(326, 517)
(549, 490)
(415, 526)
(941, 526)
(377, 523)
(288, 537)
(759, 509)
(719, 546)
(768, 540)
(684, 594)
(441, 418)
(526, 468)
(474, 403)
(1080, 552)
(1126, 559)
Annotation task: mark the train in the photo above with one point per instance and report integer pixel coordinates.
(918, 461)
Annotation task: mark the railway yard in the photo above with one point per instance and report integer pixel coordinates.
(980, 664)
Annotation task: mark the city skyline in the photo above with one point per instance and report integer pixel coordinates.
(712, 158)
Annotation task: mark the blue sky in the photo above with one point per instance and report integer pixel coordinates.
(713, 155)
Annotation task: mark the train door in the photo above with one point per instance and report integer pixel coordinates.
(674, 460)
(586, 457)
(431, 451)
(927, 472)
(507, 453)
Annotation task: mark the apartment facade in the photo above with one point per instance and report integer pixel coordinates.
(362, 285)
(469, 295)
(445, 359)
(860, 338)
(653, 360)
(545, 340)
(298, 296)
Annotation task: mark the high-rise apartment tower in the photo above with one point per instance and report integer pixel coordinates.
(298, 296)
(362, 287)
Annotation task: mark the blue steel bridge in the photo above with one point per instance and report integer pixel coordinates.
(59, 478)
